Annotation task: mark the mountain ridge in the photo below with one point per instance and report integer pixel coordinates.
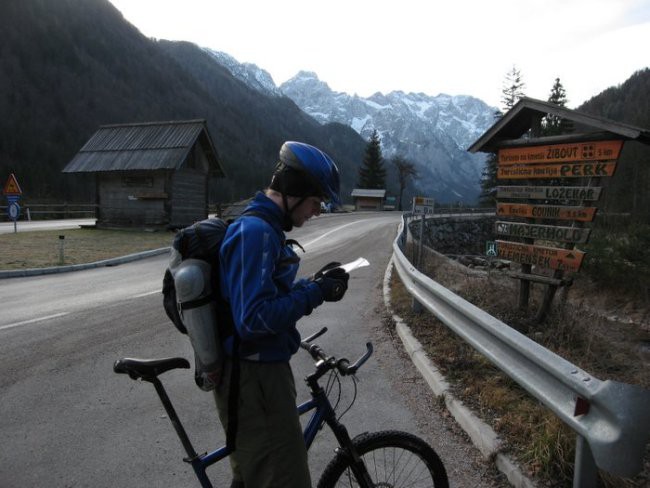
(432, 132)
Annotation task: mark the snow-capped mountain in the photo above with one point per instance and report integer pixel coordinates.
(251, 74)
(432, 132)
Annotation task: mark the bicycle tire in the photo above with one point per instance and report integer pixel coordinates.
(394, 459)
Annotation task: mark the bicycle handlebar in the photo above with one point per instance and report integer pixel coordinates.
(342, 364)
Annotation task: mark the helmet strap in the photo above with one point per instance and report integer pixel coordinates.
(287, 223)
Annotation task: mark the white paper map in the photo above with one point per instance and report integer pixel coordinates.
(357, 263)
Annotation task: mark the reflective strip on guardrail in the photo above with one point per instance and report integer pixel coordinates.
(616, 424)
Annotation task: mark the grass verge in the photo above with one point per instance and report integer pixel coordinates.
(543, 445)
(40, 249)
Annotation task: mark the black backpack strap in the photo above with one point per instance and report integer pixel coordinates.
(201, 239)
(233, 396)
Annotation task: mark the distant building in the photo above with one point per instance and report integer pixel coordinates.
(365, 199)
(150, 174)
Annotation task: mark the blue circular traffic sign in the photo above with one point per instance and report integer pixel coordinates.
(13, 210)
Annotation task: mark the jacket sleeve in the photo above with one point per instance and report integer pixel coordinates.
(248, 260)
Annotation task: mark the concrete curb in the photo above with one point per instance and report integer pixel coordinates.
(78, 267)
(482, 435)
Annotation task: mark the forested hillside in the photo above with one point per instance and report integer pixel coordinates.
(69, 66)
(629, 189)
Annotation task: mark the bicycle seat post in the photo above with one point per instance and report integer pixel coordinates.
(176, 422)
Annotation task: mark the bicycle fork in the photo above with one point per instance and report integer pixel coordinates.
(348, 450)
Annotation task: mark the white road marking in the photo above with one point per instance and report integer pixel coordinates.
(332, 231)
(146, 294)
(31, 321)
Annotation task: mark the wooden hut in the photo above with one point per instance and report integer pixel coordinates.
(151, 175)
(367, 199)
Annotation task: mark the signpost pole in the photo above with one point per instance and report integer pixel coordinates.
(12, 191)
(423, 206)
(419, 261)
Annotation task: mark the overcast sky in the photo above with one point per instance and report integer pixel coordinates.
(459, 47)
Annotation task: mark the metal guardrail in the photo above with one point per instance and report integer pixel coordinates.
(48, 211)
(612, 417)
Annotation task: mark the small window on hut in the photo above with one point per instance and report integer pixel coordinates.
(137, 181)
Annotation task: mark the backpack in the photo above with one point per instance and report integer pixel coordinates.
(194, 268)
(194, 264)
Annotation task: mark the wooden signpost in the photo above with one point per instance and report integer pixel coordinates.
(563, 170)
(543, 232)
(585, 193)
(561, 153)
(540, 206)
(581, 214)
(544, 257)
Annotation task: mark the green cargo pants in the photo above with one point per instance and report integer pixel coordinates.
(270, 451)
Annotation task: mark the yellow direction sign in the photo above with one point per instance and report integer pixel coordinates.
(581, 214)
(12, 188)
(544, 257)
(561, 153)
(567, 170)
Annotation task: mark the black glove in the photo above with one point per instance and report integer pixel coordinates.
(333, 282)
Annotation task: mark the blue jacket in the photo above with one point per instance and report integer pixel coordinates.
(257, 273)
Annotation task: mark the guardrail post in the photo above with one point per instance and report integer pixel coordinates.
(585, 474)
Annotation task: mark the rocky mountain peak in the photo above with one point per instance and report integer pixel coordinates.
(432, 131)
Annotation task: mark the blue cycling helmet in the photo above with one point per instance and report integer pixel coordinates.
(317, 170)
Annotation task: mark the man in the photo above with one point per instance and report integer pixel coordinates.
(257, 277)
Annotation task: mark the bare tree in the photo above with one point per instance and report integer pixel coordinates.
(405, 171)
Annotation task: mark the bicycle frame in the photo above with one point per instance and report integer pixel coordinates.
(323, 413)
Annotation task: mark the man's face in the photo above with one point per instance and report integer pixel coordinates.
(305, 211)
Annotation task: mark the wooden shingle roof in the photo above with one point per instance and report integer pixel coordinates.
(144, 146)
(520, 117)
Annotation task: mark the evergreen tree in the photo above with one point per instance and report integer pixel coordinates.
(405, 171)
(512, 91)
(372, 173)
(552, 125)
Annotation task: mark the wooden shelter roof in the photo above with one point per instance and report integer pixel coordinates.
(144, 146)
(520, 118)
(365, 192)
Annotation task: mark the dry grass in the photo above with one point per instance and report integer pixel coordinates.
(42, 248)
(540, 441)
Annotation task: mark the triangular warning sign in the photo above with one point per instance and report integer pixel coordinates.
(12, 187)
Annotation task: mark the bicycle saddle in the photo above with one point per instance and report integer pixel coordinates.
(147, 369)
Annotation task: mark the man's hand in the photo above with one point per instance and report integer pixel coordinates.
(333, 281)
(321, 272)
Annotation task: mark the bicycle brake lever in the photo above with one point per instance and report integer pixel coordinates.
(350, 370)
(305, 342)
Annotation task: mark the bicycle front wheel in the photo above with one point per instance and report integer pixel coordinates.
(393, 459)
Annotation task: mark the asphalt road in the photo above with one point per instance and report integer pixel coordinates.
(28, 226)
(67, 421)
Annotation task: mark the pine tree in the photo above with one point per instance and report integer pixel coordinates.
(552, 125)
(512, 91)
(372, 173)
